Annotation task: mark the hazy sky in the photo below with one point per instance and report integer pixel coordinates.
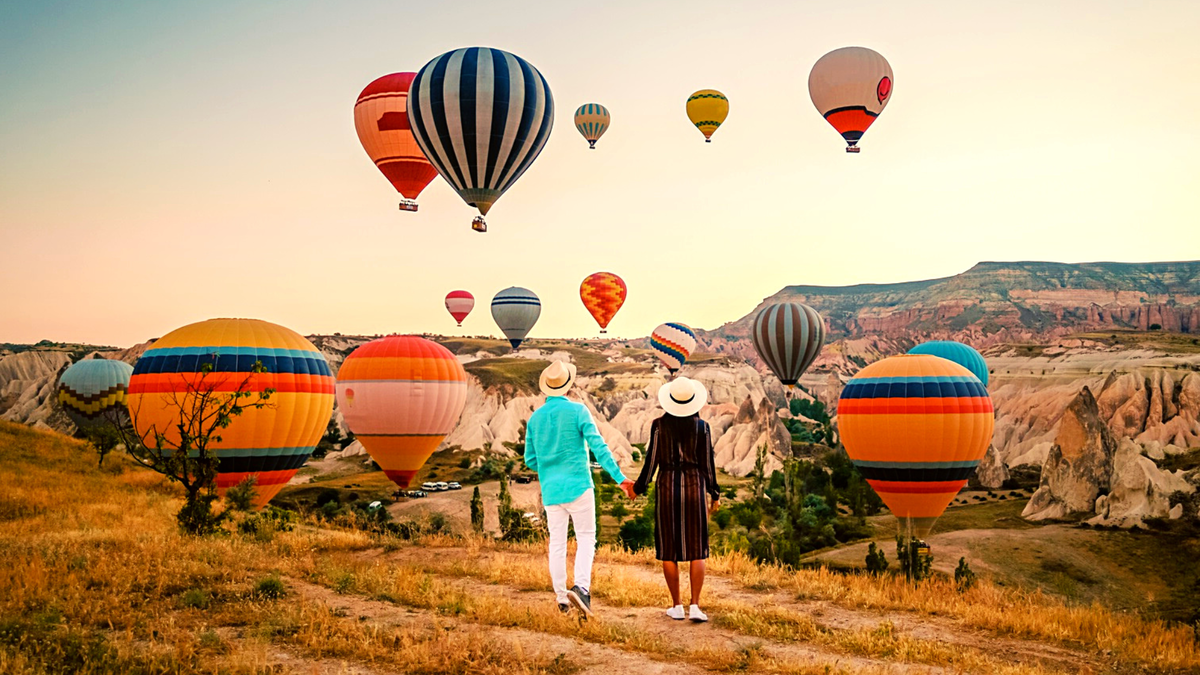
(167, 162)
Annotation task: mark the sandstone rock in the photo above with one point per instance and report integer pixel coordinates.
(1079, 465)
(1139, 490)
(991, 472)
(1176, 512)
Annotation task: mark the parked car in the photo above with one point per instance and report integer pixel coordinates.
(595, 465)
(375, 505)
(429, 487)
(454, 485)
(416, 494)
(532, 518)
(442, 486)
(522, 479)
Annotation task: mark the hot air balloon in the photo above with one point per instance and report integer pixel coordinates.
(481, 116)
(591, 119)
(916, 426)
(957, 352)
(674, 343)
(788, 336)
(707, 109)
(400, 396)
(92, 391)
(381, 120)
(603, 293)
(270, 442)
(515, 310)
(459, 304)
(850, 87)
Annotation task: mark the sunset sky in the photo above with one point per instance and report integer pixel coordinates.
(165, 162)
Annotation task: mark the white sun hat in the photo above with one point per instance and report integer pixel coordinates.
(682, 397)
(557, 378)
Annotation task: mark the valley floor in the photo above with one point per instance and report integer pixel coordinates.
(95, 578)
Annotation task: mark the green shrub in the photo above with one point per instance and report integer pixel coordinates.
(271, 587)
(877, 562)
(964, 577)
(194, 598)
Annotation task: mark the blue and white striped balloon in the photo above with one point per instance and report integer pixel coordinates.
(481, 116)
(515, 310)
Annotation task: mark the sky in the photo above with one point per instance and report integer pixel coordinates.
(163, 163)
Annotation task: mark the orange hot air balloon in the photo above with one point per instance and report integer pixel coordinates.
(407, 395)
(381, 120)
(916, 426)
(603, 293)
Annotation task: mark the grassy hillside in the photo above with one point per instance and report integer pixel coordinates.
(95, 578)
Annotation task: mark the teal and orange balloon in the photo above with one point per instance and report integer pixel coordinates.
(602, 294)
(270, 443)
(916, 426)
(92, 391)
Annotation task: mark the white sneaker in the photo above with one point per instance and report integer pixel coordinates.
(676, 613)
(695, 614)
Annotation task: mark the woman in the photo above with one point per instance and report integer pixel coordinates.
(680, 450)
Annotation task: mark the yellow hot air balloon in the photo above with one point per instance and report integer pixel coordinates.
(707, 109)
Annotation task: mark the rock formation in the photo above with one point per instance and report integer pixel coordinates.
(1139, 490)
(1079, 465)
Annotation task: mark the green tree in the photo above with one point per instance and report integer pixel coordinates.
(877, 562)
(104, 438)
(477, 511)
(185, 453)
(964, 576)
(760, 467)
(915, 559)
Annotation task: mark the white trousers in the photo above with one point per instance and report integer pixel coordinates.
(582, 513)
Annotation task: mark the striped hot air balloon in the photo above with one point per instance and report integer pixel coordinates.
(707, 109)
(963, 355)
(459, 304)
(674, 343)
(93, 391)
(270, 442)
(591, 119)
(603, 293)
(400, 396)
(788, 336)
(516, 310)
(481, 116)
(916, 426)
(850, 88)
(381, 120)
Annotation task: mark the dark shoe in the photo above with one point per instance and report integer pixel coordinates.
(564, 608)
(581, 599)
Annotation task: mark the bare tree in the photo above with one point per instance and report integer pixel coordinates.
(184, 451)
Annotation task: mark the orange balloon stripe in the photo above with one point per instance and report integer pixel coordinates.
(915, 438)
(909, 505)
(915, 406)
(849, 120)
(165, 383)
(396, 367)
(603, 294)
(917, 487)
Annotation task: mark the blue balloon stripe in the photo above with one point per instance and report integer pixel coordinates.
(914, 388)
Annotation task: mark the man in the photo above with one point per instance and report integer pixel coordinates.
(557, 440)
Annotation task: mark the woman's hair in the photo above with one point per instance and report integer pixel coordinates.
(679, 438)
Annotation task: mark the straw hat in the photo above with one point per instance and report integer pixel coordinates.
(557, 378)
(682, 397)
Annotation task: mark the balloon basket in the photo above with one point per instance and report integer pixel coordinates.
(591, 145)
(408, 205)
(853, 149)
(478, 224)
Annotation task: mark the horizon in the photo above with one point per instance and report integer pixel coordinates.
(201, 151)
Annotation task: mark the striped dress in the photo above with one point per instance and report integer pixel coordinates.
(681, 453)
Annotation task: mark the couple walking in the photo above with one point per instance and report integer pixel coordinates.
(557, 440)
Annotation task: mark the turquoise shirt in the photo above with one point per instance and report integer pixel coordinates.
(554, 448)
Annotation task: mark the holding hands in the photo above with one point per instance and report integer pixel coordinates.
(627, 488)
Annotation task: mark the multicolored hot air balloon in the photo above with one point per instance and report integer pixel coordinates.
(850, 87)
(481, 116)
(515, 310)
(963, 355)
(916, 426)
(381, 120)
(591, 119)
(400, 396)
(788, 336)
(93, 391)
(674, 343)
(603, 293)
(270, 442)
(707, 109)
(459, 304)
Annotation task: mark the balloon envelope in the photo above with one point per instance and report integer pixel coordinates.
(592, 119)
(707, 109)
(400, 396)
(270, 442)
(850, 88)
(788, 336)
(93, 391)
(459, 304)
(603, 293)
(381, 120)
(963, 355)
(674, 343)
(481, 116)
(916, 426)
(515, 311)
